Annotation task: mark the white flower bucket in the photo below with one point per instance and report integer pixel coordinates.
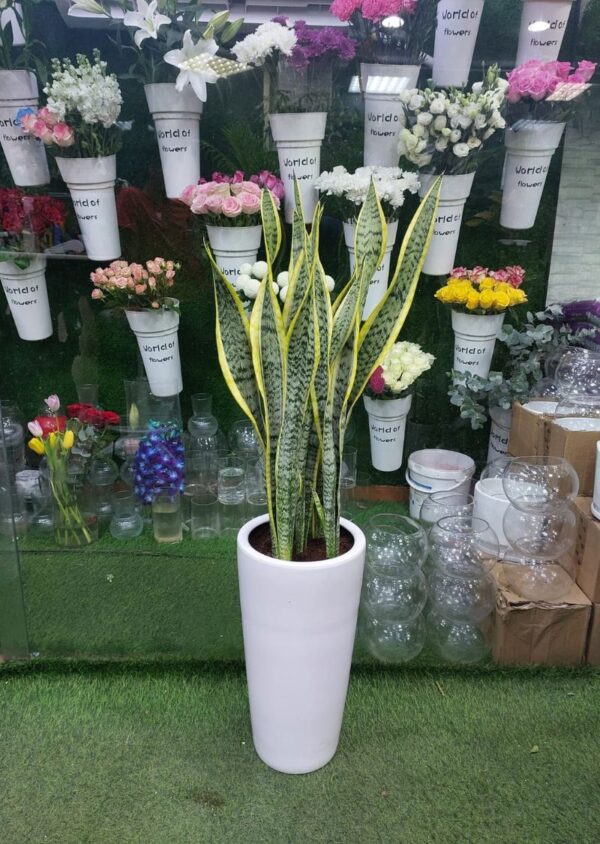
(384, 114)
(176, 116)
(156, 333)
(455, 36)
(530, 145)
(474, 341)
(298, 138)
(499, 433)
(490, 504)
(543, 25)
(234, 246)
(25, 155)
(381, 276)
(27, 297)
(299, 623)
(436, 470)
(454, 193)
(387, 426)
(91, 183)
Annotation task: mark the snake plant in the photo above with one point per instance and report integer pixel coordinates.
(297, 371)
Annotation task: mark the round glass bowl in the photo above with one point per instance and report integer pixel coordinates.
(394, 591)
(539, 536)
(495, 468)
(464, 545)
(392, 642)
(540, 484)
(546, 580)
(461, 597)
(393, 538)
(579, 413)
(440, 504)
(578, 372)
(456, 641)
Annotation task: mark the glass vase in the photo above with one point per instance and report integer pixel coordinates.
(75, 516)
(167, 521)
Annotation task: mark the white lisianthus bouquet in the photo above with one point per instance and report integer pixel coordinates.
(401, 367)
(446, 129)
(349, 190)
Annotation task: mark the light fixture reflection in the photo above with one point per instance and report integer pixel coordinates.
(539, 26)
(393, 22)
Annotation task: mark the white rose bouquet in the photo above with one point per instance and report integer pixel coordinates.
(401, 367)
(348, 191)
(446, 129)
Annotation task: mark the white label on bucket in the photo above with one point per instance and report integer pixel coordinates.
(12, 132)
(304, 167)
(384, 122)
(171, 140)
(86, 208)
(473, 356)
(23, 296)
(459, 23)
(498, 445)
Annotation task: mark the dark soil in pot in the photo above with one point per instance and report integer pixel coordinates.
(260, 540)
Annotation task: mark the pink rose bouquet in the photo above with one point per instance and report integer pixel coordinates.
(135, 287)
(232, 200)
(541, 90)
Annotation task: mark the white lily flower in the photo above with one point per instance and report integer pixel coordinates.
(88, 6)
(147, 20)
(193, 64)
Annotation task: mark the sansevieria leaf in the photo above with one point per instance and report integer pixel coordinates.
(271, 227)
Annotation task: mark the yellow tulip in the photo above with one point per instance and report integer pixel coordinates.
(473, 300)
(36, 445)
(68, 439)
(52, 439)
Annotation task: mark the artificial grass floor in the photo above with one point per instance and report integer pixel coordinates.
(119, 753)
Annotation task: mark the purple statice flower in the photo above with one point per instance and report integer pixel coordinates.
(315, 43)
(159, 463)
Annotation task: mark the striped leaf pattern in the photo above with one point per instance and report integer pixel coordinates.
(271, 228)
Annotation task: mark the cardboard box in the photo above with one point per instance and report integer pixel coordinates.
(587, 549)
(540, 633)
(579, 448)
(529, 432)
(593, 646)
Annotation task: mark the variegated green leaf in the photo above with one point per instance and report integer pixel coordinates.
(370, 237)
(298, 227)
(271, 226)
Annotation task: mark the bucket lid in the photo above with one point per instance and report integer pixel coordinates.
(441, 463)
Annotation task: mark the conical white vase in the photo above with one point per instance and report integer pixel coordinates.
(387, 427)
(499, 433)
(474, 341)
(299, 623)
(298, 138)
(543, 26)
(27, 296)
(156, 334)
(455, 191)
(530, 145)
(233, 246)
(91, 183)
(25, 155)
(381, 276)
(455, 36)
(381, 85)
(176, 116)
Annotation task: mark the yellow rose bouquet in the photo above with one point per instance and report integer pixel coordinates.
(483, 291)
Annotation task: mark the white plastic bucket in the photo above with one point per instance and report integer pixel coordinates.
(490, 504)
(298, 138)
(436, 470)
(544, 43)
(454, 193)
(234, 246)
(25, 155)
(379, 283)
(499, 433)
(455, 35)
(156, 334)
(384, 113)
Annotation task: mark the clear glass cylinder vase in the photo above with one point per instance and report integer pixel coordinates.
(75, 516)
(167, 521)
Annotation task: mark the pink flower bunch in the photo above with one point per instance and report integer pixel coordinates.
(509, 275)
(232, 196)
(134, 286)
(46, 126)
(372, 10)
(269, 181)
(536, 79)
(377, 381)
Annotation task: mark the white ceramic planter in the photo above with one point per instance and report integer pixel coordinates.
(474, 341)
(543, 25)
(234, 246)
(384, 115)
(499, 433)
(454, 193)
(387, 426)
(156, 334)
(27, 297)
(176, 116)
(91, 183)
(25, 155)
(530, 145)
(299, 623)
(298, 138)
(455, 36)
(381, 276)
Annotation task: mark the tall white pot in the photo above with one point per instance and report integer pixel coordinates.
(176, 116)
(234, 246)
(499, 433)
(91, 183)
(454, 193)
(530, 145)
(27, 297)
(384, 115)
(455, 36)
(543, 25)
(25, 155)
(381, 276)
(299, 623)
(156, 334)
(298, 138)
(474, 341)
(387, 426)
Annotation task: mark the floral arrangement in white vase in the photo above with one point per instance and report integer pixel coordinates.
(347, 191)
(404, 363)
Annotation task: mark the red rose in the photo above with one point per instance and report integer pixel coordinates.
(111, 418)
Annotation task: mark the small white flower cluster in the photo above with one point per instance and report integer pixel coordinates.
(86, 89)
(391, 184)
(250, 276)
(446, 127)
(268, 38)
(403, 364)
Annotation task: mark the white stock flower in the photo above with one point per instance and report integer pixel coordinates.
(267, 39)
(84, 88)
(147, 20)
(192, 60)
(461, 150)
